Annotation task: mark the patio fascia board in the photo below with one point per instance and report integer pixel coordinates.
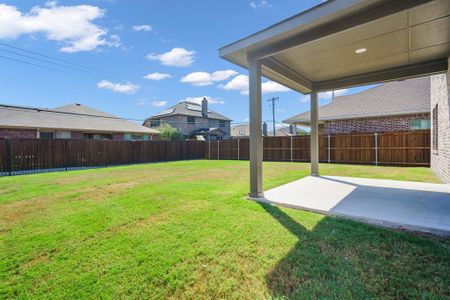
(398, 73)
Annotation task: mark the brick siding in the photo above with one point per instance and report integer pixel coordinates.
(440, 158)
(373, 124)
(17, 133)
(118, 136)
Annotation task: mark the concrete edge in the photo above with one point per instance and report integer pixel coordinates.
(370, 221)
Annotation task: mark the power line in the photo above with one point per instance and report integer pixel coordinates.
(45, 67)
(43, 60)
(53, 58)
(273, 99)
(21, 108)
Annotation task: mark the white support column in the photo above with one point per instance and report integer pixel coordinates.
(314, 134)
(256, 143)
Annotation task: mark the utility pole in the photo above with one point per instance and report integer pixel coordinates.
(273, 99)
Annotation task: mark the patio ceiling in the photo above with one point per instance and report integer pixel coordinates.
(316, 50)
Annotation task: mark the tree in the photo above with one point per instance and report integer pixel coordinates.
(170, 133)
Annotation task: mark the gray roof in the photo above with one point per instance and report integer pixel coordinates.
(187, 108)
(69, 117)
(393, 98)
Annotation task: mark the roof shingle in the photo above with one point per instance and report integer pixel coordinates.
(69, 117)
(392, 98)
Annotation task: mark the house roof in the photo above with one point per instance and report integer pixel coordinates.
(393, 98)
(187, 108)
(69, 117)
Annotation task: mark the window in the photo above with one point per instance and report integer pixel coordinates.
(191, 120)
(435, 117)
(46, 135)
(420, 124)
(97, 136)
(222, 124)
(63, 135)
(155, 123)
(241, 132)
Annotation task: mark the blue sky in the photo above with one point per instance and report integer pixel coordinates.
(174, 42)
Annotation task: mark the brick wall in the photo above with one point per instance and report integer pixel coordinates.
(17, 133)
(440, 158)
(76, 135)
(118, 136)
(374, 124)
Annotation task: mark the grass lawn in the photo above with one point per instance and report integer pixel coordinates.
(183, 230)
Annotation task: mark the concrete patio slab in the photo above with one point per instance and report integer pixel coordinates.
(401, 204)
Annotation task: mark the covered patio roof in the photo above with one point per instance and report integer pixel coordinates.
(340, 44)
(316, 49)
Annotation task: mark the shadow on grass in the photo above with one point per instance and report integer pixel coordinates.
(344, 259)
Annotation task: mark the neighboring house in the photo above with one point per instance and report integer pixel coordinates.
(394, 106)
(73, 121)
(440, 131)
(240, 131)
(193, 120)
(243, 131)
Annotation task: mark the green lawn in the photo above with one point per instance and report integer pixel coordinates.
(184, 230)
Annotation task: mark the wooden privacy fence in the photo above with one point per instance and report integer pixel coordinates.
(22, 156)
(405, 148)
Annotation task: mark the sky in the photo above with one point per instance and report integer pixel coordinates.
(135, 58)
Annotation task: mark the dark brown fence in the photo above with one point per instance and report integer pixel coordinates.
(21, 156)
(406, 148)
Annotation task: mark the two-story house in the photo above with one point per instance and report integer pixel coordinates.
(193, 120)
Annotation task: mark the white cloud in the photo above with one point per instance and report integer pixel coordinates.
(141, 102)
(159, 103)
(142, 28)
(114, 41)
(70, 25)
(127, 88)
(304, 99)
(211, 100)
(329, 94)
(240, 83)
(324, 95)
(177, 57)
(260, 4)
(205, 78)
(157, 76)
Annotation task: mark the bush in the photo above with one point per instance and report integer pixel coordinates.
(170, 133)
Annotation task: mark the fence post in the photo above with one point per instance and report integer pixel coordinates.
(66, 154)
(291, 150)
(209, 149)
(218, 149)
(376, 149)
(8, 156)
(329, 154)
(239, 150)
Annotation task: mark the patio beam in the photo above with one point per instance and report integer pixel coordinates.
(385, 9)
(398, 73)
(256, 142)
(314, 133)
(287, 73)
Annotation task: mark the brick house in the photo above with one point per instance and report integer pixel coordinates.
(440, 130)
(193, 120)
(74, 121)
(393, 106)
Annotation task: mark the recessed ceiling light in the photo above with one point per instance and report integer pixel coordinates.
(360, 50)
